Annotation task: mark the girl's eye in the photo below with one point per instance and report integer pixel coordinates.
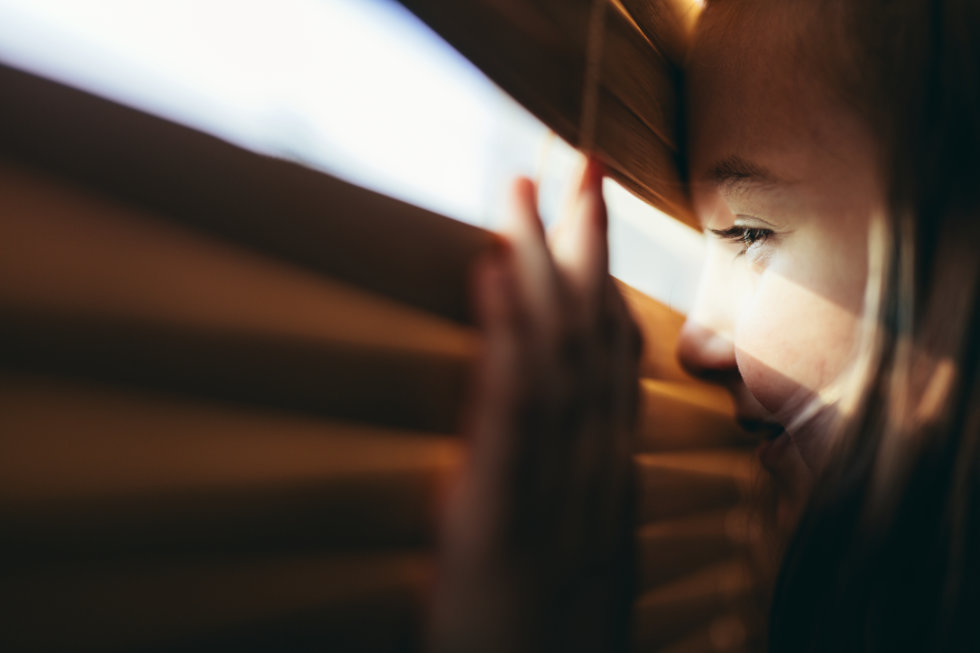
(746, 236)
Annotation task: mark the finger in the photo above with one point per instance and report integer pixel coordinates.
(477, 505)
(606, 449)
(499, 387)
(535, 273)
(580, 248)
(623, 396)
(558, 231)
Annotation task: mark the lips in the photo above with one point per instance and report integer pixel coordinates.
(774, 441)
(765, 429)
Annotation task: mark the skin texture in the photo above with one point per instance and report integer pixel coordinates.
(774, 149)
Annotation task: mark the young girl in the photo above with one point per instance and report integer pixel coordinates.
(834, 163)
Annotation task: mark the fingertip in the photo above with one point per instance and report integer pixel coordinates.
(593, 171)
(589, 200)
(583, 249)
(523, 189)
(523, 196)
(523, 213)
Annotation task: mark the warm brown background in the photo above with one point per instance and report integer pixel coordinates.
(229, 397)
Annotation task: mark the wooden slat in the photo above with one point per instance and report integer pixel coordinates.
(663, 22)
(409, 391)
(80, 455)
(727, 633)
(90, 471)
(677, 416)
(536, 51)
(640, 164)
(660, 327)
(673, 548)
(674, 485)
(663, 615)
(270, 205)
(167, 464)
(66, 250)
(92, 287)
(354, 602)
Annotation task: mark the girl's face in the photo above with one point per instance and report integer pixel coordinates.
(784, 182)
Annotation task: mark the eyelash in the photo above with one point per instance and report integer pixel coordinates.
(747, 236)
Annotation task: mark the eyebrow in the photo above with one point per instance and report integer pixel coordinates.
(735, 171)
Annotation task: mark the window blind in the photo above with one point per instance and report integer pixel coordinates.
(552, 55)
(229, 391)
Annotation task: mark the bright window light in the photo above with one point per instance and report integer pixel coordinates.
(358, 88)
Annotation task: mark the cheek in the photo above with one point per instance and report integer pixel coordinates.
(791, 340)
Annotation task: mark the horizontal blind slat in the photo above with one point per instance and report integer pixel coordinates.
(100, 471)
(660, 326)
(247, 603)
(672, 548)
(92, 287)
(677, 416)
(666, 613)
(75, 252)
(672, 485)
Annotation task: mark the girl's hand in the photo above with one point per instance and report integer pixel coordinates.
(536, 550)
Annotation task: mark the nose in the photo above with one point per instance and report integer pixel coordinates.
(704, 351)
(706, 347)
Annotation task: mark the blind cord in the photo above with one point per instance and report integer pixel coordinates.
(593, 70)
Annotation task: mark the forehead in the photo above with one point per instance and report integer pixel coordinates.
(753, 92)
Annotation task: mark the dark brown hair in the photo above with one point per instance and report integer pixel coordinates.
(887, 555)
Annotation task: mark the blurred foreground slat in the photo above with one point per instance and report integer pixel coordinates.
(230, 390)
(93, 288)
(678, 484)
(676, 416)
(95, 471)
(672, 548)
(63, 250)
(245, 603)
(668, 613)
